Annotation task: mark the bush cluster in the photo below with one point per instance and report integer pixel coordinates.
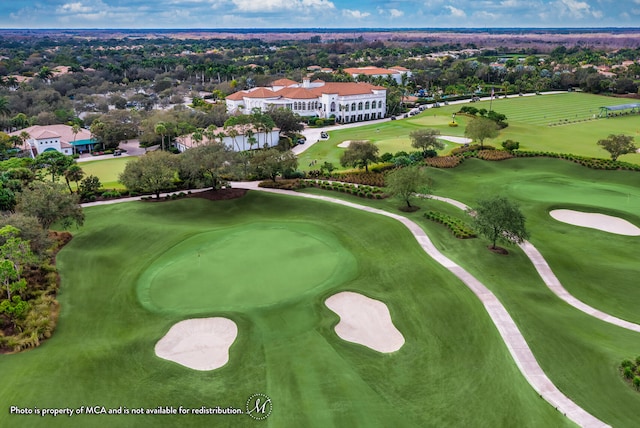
(459, 228)
(285, 184)
(361, 190)
(594, 163)
(630, 371)
(361, 177)
(493, 155)
(444, 161)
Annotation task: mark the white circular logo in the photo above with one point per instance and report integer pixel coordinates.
(259, 406)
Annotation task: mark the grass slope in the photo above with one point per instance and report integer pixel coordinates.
(528, 118)
(454, 369)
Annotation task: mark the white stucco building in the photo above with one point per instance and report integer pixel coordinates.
(55, 137)
(346, 101)
(239, 140)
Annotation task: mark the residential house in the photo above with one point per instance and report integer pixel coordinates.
(240, 140)
(55, 137)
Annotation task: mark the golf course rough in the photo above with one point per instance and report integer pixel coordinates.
(237, 268)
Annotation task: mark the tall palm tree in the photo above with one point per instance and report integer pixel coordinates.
(198, 136)
(161, 129)
(74, 130)
(73, 173)
(4, 107)
(45, 73)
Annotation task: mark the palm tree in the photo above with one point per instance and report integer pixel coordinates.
(4, 107)
(24, 137)
(73, 173)
(74, 130)
(45, 73)
(161, 129)
(198, 136)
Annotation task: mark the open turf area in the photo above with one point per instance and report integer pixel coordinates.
(453, 370)
(579, 353)
(528, 117)
(107, 170)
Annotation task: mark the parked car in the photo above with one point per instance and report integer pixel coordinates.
(324, 135)
(117, 152)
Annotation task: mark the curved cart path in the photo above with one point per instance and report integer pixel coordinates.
(551, 281)
(520, 351)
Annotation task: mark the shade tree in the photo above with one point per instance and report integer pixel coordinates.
(499, 220)
(480, 128)
(618, 145)
(359, 154)
(50, 203)
(153, 172)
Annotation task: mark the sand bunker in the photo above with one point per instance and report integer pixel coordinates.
(200, 344)
(602, 222)
(458, 140)
(365, 321)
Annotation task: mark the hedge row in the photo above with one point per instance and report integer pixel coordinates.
(368, 178)
(630, 371)
(444, 161)
(459, 228)
(595, 163)
(363, 191)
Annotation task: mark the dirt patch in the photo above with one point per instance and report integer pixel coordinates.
(498, 250)
(219, 195)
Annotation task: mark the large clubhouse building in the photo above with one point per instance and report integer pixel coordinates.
(346, 101)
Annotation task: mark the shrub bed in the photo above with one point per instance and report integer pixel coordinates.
(459, 228)
(361, 190)
(630, 371)
(595, 163)
(493, 155)
(286, 184)
(369, 178)
(444, 161)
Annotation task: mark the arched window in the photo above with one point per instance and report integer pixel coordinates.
(360, 105)
(333, 106)
(379, 104)
(295, 105)
(353, 106)
(366, 105)
(346, 107)
(309, 106)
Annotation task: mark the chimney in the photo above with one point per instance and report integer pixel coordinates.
(306, 83)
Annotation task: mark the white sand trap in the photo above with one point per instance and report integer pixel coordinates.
(458, 140)
(344, 144)
(200, 343)
(365, 321)
(602, 222)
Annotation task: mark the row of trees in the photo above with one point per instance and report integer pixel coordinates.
(210, 165)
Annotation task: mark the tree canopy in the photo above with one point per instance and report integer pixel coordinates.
(153, 172)
(50, 203)
(618, 145)
(359, 154)
(500, 220)
(208, 163)
(272, 162)
(405, 182)
(426, 139)
(480, 128)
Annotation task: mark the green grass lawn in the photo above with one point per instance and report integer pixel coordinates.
(106, 170)
(454, 370)
(528, 119)
(579, 353)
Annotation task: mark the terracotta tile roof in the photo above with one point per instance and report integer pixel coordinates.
(399, 68)
(254, 93)
(284, 82)
(46, 134)
(297, 93)
(369, 71)
(64, 132)
(347, 88)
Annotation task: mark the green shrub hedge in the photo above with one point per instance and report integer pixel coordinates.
(459, 228)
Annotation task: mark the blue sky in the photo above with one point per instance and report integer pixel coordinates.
(317, 13)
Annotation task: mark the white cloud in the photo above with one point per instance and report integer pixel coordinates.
(393, 13)
(74, 8)
(574, 8)
(281, 5)
(456, 13)
(355, 14)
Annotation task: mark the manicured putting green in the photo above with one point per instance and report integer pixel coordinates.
(259, 264)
